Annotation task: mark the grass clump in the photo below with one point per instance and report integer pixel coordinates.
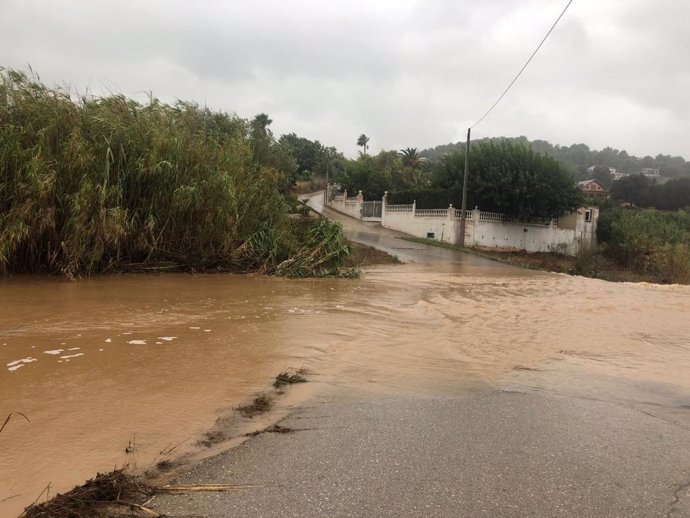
(290, 377)
(93, 497)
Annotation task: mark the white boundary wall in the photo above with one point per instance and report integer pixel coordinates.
(350, 206)
(483, 229)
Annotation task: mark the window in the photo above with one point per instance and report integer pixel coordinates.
(588, 216)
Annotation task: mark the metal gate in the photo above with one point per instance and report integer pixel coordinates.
(371, 210)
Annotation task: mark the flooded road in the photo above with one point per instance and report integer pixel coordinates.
(99, 365)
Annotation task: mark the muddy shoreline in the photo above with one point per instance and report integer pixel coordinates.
(132, 487)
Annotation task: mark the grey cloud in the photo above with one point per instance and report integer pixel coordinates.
(408, 73)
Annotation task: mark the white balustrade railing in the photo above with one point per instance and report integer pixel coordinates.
(431, 213)
(398, 208)
(491, 216)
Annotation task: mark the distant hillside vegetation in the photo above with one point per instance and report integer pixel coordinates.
(578, 157)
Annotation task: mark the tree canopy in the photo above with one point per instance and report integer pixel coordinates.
(578, 157)
(511, 179)
(363, 142)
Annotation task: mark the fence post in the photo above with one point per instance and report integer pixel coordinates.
(384, 205)
(360, 201)
(414, 208)
(451, 212)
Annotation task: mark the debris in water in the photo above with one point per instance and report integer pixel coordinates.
(184, 488)
(137, 342)
(89, 499)
(276, 428)
(260, 404)
(68, 356)
(54, 351)
(290, 377)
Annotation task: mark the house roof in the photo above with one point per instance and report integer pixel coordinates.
(592, 183)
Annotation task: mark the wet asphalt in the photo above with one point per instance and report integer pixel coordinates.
(488, 451)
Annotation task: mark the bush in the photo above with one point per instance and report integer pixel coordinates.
(649, 241)
(672, 263)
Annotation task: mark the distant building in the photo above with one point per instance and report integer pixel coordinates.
(618, 176)
(649, 172)
(593, 189)
(612, 170)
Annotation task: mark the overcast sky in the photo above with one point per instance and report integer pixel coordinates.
(407, 73)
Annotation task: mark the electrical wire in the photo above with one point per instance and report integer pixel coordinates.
(524, 66)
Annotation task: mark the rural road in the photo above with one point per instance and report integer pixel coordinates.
(507, 449)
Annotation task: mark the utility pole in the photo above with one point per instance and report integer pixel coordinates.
(463, 209)
(325, 200)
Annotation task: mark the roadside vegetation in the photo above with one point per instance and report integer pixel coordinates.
(651, 242)
(504, 177)
(102, 184)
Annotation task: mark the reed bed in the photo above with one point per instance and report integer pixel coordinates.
(99, 184)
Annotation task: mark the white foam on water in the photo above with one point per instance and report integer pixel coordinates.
(159, 343)
(54, 351)
(68, 356)
(194, 327)
(137, 342)
(74, 348)
(207, 330)
(167, 338)
(100, 350)
(28, 359)
(18, 364)
(128, 332)
(108, 340)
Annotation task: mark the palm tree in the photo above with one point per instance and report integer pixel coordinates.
(363, 141)
(411, 157)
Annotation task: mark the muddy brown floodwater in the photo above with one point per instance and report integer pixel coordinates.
(102, 364)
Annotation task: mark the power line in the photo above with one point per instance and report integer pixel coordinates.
(524, 66)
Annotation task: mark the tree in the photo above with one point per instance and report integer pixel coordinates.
(411, 157)
(635, 189)
(512, 179)
(602, 175)
(270, 154)
(673, 195)
(363, 142)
